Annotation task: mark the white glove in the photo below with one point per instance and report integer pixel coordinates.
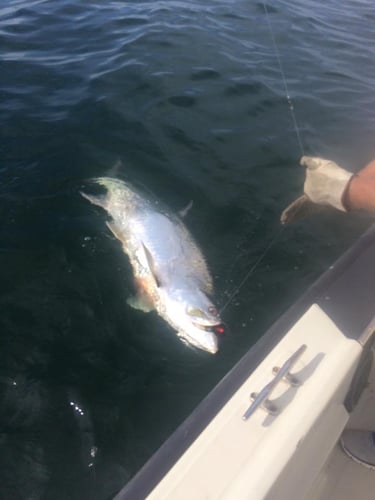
(325, 182)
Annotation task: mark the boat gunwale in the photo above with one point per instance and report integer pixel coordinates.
(145, 480)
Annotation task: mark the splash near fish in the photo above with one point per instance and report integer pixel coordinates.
(170, 272)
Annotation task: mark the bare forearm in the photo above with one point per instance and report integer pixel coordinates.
(360, 194)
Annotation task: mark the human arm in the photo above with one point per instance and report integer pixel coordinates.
(328, 184)
(360, 192)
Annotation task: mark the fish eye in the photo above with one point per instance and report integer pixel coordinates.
(194, 311)
(212, 310)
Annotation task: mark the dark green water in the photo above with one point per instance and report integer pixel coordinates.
(189, 97)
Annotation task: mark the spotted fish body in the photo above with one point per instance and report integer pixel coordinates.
(169, 269)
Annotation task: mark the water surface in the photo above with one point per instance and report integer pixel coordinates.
(189, 97)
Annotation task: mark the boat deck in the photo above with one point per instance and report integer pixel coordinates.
(342, 478)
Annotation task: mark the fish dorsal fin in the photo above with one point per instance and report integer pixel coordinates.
(116, 169)
(151, 264)
(183, 213)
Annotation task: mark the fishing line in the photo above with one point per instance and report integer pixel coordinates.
(288, 98)
(252, 269)
(300, 144)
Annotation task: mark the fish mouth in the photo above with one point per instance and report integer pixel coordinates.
(209, 340)
(217, 328)
(212, 349)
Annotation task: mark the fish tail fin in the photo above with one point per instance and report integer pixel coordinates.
(101, 201)
(109, 182)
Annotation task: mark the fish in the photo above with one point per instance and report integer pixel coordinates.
(170, 272)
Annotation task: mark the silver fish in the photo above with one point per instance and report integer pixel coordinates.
(170, 272)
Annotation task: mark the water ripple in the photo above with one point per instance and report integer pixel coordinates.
(189, 95)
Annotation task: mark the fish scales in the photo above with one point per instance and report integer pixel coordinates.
(169, 269)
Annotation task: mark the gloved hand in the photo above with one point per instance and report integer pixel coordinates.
(325, 182)
(325, 185)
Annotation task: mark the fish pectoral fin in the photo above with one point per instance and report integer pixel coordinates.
(100, 201)
(151, 265)
(299, 209)
(141, 302)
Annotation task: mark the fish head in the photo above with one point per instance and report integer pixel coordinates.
(195, 318)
